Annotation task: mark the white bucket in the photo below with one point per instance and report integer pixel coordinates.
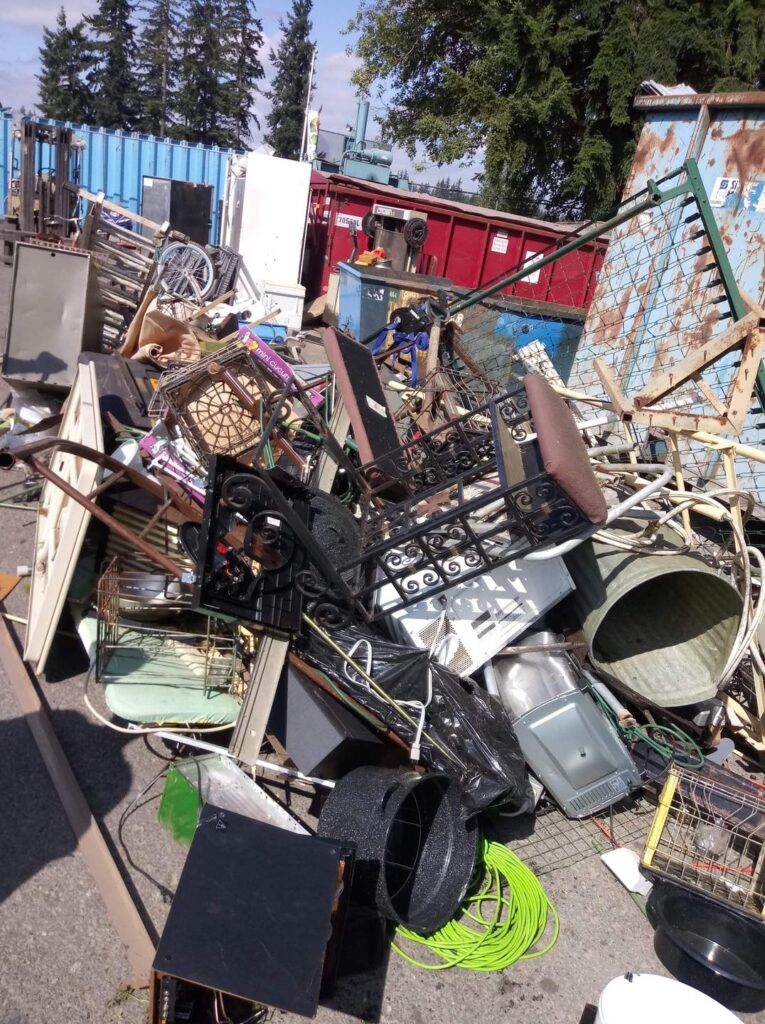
(651, 999)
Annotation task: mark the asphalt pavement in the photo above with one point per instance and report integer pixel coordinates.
(60, 960)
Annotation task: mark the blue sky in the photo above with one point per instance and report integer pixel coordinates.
(21, 24)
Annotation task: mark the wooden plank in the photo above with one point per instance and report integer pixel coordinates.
(107, 204)
(253, 718)
(697, 360)
(745, 380)
(119, 904)
(611, 387)
(61, 522)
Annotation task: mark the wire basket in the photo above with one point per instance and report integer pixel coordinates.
(709, 834)
(445, 394)
(132, 646)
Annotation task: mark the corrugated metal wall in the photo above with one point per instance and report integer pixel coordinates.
(6, 136)
(116, 163)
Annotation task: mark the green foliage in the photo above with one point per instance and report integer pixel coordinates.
(243, 38)
(112, 81)
(543, 90)
(289, 91)
(218, 71)
(157, 66)
(64, 62)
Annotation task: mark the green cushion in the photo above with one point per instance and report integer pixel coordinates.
(161, 689)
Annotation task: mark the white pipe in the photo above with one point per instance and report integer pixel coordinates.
(613, 514)
(192, 741)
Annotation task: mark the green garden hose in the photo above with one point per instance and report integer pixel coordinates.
(518, 909)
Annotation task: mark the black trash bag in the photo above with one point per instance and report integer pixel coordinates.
(464, 719)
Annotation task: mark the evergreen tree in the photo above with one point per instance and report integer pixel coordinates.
(289, 91)
(201, 69)
(243, 39)
(116, 102)
(64, 62)
(543, 91)
(156, 66)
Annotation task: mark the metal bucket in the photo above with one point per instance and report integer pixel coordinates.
(660, 625)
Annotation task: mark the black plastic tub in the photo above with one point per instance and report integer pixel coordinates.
(415, 854)
(710, 946)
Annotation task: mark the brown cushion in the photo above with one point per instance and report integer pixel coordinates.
(562, 449)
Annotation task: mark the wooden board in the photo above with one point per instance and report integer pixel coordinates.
(62, 522)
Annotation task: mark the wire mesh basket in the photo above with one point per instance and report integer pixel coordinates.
(132, 645)
(709, 834)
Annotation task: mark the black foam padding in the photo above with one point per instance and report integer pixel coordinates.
(252, 914)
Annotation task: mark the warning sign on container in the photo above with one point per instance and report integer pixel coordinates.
(500, 242)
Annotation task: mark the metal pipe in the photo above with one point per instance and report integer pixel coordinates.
(362, 116)
(165, 563)
(613, 514)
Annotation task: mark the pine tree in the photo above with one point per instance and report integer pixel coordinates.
(201, 68)
(116, 103)
(289, 91)
(64, 61)
(156, 66)
(242, 43)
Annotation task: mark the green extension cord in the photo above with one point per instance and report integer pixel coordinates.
(519, 909)
(668, 740)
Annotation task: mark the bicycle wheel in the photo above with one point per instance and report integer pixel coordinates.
(186, 270)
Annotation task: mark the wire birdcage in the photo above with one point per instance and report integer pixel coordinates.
(132, 644)
(709, 834)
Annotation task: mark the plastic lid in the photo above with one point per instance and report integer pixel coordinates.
(644, 998)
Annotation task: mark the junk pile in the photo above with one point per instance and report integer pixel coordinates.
(433, 600)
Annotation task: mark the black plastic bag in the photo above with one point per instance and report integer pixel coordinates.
(468, 723)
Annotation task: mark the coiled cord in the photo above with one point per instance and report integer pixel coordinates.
(518, 909)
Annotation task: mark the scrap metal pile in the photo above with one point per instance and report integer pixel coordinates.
(435, 598)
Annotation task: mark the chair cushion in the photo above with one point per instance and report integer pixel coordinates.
(562, 449)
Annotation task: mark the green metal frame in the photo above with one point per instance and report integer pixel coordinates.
(653, 195)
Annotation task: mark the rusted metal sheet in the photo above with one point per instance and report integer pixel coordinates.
(655, 303)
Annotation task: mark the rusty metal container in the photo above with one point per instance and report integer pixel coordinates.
(662, 626)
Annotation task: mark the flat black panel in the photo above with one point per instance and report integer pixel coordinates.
(251, 915)
(379, 428)
(321, 735)
(185, 204)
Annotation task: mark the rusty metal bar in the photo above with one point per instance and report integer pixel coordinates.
(165, 563)
(119, 904)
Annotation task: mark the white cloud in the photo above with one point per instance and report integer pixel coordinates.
(43, 12)
(334, 92)
(18, 84)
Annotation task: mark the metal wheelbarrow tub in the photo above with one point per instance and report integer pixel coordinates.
(662, 626)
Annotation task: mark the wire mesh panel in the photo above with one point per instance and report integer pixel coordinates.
(664, 291)
(709, 833)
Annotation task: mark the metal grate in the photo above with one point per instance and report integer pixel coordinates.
(709, 833)
(551, 841)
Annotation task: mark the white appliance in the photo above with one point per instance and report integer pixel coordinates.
(465, 626)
